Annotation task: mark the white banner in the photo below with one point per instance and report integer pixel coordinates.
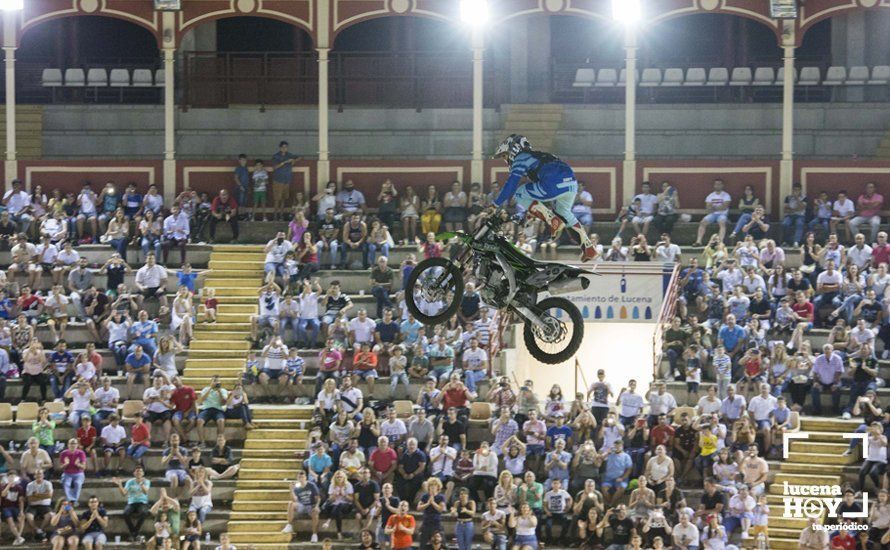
(629, 292)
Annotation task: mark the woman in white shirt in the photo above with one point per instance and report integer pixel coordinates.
(201, 494)
(308, 325)
(328, 399)
(181, 315)
(525, 524)
(875, 463)
(165, 358)
(118, 328)
(485, 471)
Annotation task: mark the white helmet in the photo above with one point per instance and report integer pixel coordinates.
(512, 146)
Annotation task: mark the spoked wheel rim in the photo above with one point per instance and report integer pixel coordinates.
(435, 290)
(560, 333)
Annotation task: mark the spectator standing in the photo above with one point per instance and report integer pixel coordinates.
(382, 281)
(242, 180)
(74, 462)
(282, 179)
(400, 528)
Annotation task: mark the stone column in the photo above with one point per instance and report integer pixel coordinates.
(477, 164)
(786, 166)
(11, 167)
(630, 114)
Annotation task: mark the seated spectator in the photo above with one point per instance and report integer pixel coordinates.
(868, 206)
(200, 491)
(224, 209)
(93, 523)
(38, 511)
(211, 403)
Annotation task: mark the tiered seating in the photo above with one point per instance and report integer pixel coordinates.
(99, 80)
(587, 78)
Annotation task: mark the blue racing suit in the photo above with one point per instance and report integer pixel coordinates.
(550, 181)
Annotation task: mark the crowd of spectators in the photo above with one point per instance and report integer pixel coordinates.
(748, 313)
(455, 453)
(129, 336)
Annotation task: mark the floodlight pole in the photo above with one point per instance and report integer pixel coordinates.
(477, 164)
(786, 165)
(10, 166)
(630, 112)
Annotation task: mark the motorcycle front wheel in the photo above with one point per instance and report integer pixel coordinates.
(434, 290)
(558, 341)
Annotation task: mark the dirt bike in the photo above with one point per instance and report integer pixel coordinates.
(508, 280)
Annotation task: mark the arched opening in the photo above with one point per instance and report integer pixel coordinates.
(248, 60)
(403, 61)
(89, 50)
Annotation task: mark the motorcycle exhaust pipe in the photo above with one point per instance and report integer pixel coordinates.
(568, 285)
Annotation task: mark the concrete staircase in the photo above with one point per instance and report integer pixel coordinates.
(538, 122)
(221, 348)
(272, 455)
(817, 460)
(28, 131)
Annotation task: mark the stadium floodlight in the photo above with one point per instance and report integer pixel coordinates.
(626, 11)
(12, 5)
(474, 12)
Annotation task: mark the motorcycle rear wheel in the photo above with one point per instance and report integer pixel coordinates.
(552, 348)
(449, 283)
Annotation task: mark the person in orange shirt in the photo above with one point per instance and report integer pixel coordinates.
(365, 363)
(400, 527)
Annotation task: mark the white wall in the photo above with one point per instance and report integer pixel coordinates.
(624, 350)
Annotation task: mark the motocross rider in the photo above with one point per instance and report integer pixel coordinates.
(551, 183)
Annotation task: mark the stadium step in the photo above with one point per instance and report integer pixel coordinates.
(816, 447)
(817, 460)
(223, 327)
(240, 264)
(798, 479)
(809, 468)
(216, 362)
(260, 505)
(255, 442)
(293, 464)
(239, 280)
(225, 309)
(225, 274)
(821, 459)
(252, 515)
(836, 425)
(221, 345)
(784, 524)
